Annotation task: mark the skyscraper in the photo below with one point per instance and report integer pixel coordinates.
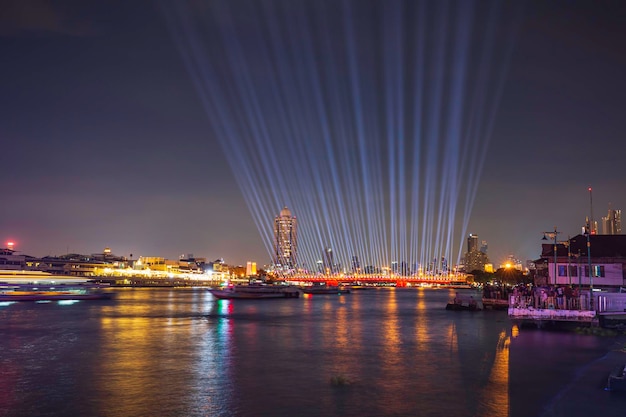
(329, 261)
(472, 243)
(612, 223)
(474, 258)
(285, 239)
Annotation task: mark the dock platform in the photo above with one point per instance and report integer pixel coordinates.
(609, 310)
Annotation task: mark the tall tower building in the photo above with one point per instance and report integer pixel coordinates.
(612, 223)
(328, 259)
(285, 239)
(472, 243)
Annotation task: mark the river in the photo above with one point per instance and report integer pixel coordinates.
(395, 352)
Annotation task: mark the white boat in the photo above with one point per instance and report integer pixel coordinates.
(253, 292)
(326, 289)
(38, 277)
(42, 286)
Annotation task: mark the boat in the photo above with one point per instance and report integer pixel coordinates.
(463, 304)
(41, 286)
(254, 292)
(323, 289)
(462, 307)
(458, 286)
(53, 295)
(617, 379)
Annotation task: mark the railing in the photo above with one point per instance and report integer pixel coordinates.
(603, 302)
(580, 302)
(610, 302)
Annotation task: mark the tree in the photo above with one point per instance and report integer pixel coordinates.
(511, 276)
(482, 277)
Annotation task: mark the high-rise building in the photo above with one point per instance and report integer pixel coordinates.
(285, 239)
(475, 259)
(484, 247)
(472, 243)
(356, 266)
(328, 259)
(612, 223)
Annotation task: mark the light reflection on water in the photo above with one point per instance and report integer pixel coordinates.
(181, 353)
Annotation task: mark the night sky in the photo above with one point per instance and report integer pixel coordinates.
(105, 141)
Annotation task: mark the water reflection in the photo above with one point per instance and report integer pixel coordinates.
(169, 352)
(422, 335)
(213, 376)
(494, 400)
(148, 341)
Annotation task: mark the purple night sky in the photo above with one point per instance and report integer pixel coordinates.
(105, 141)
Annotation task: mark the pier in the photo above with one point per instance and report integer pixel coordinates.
(607, 310)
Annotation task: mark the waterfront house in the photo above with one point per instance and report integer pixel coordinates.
(607, 256)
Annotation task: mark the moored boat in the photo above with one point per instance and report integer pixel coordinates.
(253, 292)
(318, 289)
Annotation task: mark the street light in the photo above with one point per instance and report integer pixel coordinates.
(548, 236)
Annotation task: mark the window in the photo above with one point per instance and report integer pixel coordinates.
(573, 271)
(598, 271)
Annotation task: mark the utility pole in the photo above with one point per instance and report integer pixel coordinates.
(590, 231)
(569, 257)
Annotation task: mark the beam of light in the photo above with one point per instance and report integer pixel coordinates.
(369, 120)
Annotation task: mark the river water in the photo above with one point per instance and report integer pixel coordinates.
(179, 352)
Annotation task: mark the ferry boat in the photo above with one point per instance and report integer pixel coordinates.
(41, 286)
(253, 292)
(323, 289)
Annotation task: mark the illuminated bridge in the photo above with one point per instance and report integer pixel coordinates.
(377, 279)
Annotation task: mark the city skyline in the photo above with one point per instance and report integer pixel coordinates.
(106, 143)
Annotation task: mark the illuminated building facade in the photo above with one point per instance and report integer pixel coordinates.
(612, 223)
(250, 269)
(285, 239)
(475, 259)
